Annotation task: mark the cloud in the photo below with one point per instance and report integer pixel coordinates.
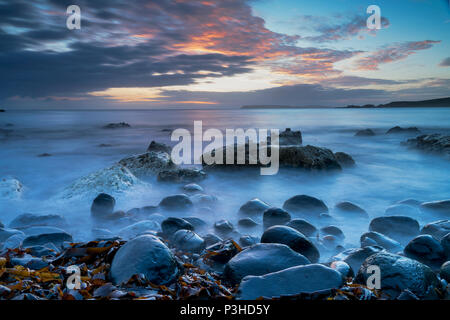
(445, 62)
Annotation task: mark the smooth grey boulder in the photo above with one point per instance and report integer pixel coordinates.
(344, 159)
(304, 227)
(399, 273)
(376, 238)
(139, 228)
(247, 223)
(292, 281)
(145, 255)
(305, 205)
(427, 250)
(400, 228)
(260, 259)
(56, 238)
(253, 207)
(187, 240)
(275, 216)
(350, 209)
(5, 233)
(437, 229)
(441, 207)
(355, 257)
(103, 206)
(402, 210)
(292, 238)
(173, 224)
(27, 220)
(176, 203)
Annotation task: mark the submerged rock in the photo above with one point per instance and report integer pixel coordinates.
(181, 175)
(304, 227)
(173, 224)
(253, 207)
(10, 189)
(148, 164)
(5, 233)
(291, 281)
(433, 143)
(426, 249)
(445, 271)
(437, 229)
(248, 240)
(223, 226)
(356, 256)
(352, 209)
(247, 223)
(333, 231)
(193, 188)
(260, 259)
(27, 220)
(400, 228)
(139, 228)
(189, 241)
(211, 239)
(289, 137)
(305, 205)
(275, 216)
(56, 238)
(365, 133)
(292, 238)
(344, 159)
(103, 206)
(375, 238)
(145, 255)
(117, 125)
(445, 243)
(176, 203)
(402, 210)
(399, 273)
(440, 207)
(397, 129)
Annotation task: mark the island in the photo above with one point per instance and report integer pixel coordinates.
(433, 103)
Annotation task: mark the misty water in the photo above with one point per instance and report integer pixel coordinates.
(386, 172)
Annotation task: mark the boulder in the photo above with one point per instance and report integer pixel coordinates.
(248, 240)
(148, 164)
(5, 233)
(159, 147)
(173, 224)
(27, 220)
(289, 137)
(196, 222)
(15, 241)
(304, 227)
(176, 203)
(333, 231)
(292, 238)
(223, 226)
(145, 255)
(400, 228)
(352, 209)
(56, 238)
(375, 238)
(402, 210)
(343, 268)
(288, 282)
(187, 240)
(397, 130)
(247, 223)
(427, 250)
(102, 234)
(181, 175)
(275, 216)
(433, 143)
(118, 125)
(10, 189)
(365, 133)
(139, 228)
(103, 206)
(35, 231)
(355, 257)
(305, 205)
(410, 202)
(399, 273)
(441, 207)
(344, 159)
(211, 239)
(193, 188)
(253, 207)
(437, 229)
(260, 259)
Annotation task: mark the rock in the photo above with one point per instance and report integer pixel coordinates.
(27, 220)
(304, 227)
(433, 143)
(333, 231)
(261, 259)
(305, 205)
(181, 175)
(402, 210)
(352, 209)
(10, 189)
(204, 199)
(410, 202)
(193, 188)
(103, 206)
(275, 216)
(441, 207)
(445, 271)
(400, 228)
(211, 239)
(397, 129)
(35, 231)
(6, 233)
(115, 179)
(145, 255)
(173, 224)
(189, 241)
(159, 147)
(289, 137)
(365, 133)
(44, 155)
(223, 226)
(248, 240)
(139, 228)
(196, 222)
(247, 223)
(30, 262)
(291, 281)
(148, 164)
(117, 125)
(15, 241)
(343, 268)
(253, 207)
(292, 238)
(176, 203)
(356, 256)
(437, 229)
(399, 273)
(56, 238)
(427, 250)
(407, 295)
(375, 238)
(344, 159)
(102, 234)
(445, 243)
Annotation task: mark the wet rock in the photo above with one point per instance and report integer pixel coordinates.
(343, 268)
(27, 220)
(375, 238)
(427, 250)
(247, 223)
(56, 238)
(176, 203)
(352, 209)
(30, 262)
(211, 239)
(400, 228)
(253, 207)
(433, 143)
(344, 159)
(34, 231)
(304, 227)
(102, 206)
(275, 216)
(402, 210)
(223, 251)
(5, 233)
(289, 137)
(410, 202)
(437, 229)
(356, 256)
(159, 147)
(10, 189)
(181, 175)
(139, 228)
(333, 231)
(223, 226)
(145, 255)
(441, 207)
(196, 222)
(397, 129)
(204, 199)
(399, 273)
(248, 240)
(291, 281)
(102, 234)
(305, 205)
(189, 241)
(173, 224)
(193, 188)
(148, 164)
(15, 241)
(292, 238)
(308, 157)
(365, 133)
(445, 271)
(118, 125)
(261, 259)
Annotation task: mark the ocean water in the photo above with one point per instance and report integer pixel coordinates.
(386, 172)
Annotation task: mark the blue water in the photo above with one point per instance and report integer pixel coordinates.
(385, 173)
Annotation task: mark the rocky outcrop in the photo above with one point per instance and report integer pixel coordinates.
(433, 143)
(159, 147)
(289, 137)
(118, 125)
(397, 130)
(148, 164)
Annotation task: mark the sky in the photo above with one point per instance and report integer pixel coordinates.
(221, 53)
